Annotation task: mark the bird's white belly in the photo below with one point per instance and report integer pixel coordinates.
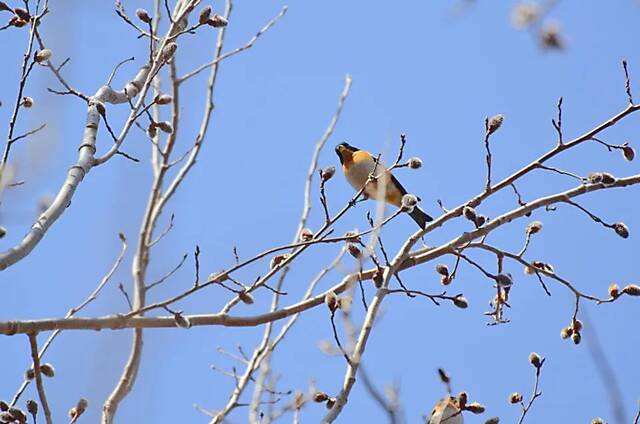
(359, 173)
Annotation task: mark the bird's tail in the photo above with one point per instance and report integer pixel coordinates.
(421, 217)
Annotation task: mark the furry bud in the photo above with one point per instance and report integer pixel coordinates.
(621, 229)
(246, 297)
(614, 290)
(608, 179)
(143, 15)
(409, 201)
(469, 213)
(17, 22)
(566, 332)
(17, 414)
(330, 403)
(320, 397)
(480, 220)
(494, 123)
(42, 55)
(354, 250)
(168, 51)
(47, 370)
(328, 173)
(414, 163)
(278, 259)
(597, 420)
(492, 420)
(632, 290)
(378, 278)
(504, 280)
(165, 126)
(152, 131)
(442, 269)
(461, 302)
(181, 320)
(27, 102)
(576, 325)
(331, 300)
(535, 360)
(595, 178)
(4, 7)
(3, 405)
(306, 234)
(218, 21)
(475, 407)
(163, 99)
(3, 231)
(515, 397)
(534, 228)
(32, 407)
(576, 337)
(205, 14)
(463, 397)
(628, 153)
(22, 13)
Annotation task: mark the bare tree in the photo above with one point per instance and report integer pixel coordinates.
(155, 88)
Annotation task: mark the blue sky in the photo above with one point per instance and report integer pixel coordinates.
(417, 68)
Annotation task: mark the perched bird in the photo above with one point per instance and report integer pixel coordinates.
(446, 411)
(358, 164)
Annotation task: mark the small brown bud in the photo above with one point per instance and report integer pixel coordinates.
(480, 220)
(143, 15)
(3, 405)
(205, 14)
(608, 179)
(550, 37)
(22, 13)
(461, 302)
(165, 126)
(218, 21)
(469, 213)
(79, 409)
(445, 280)
(181, 320)
(163, 99)
(246, 297)
(152, 131)
(30, 374)
(17, 414)
(576, 326)
(331, 300)
(463, 397)
(168, 51)
(504, 280)
(628, 153)
(5, 417)
(278, 259)
(4, 7)
(515, 397)
(414, 163)
(494, 123)
(306, 234)
(566, 332)
(32, 407)
(492, 420)
(42, 55)
(595, 178)
(409, 201)
(621, 229)
(101, 108)
(597, 420)
(17, 22)
(614, 290)
(330, 403)
(631, 290)
(534, 227)
(524, 14)
(535, 360)
(475, 407)
(352, 236)
(27, 102)
(320, 397)
(354, 250)
(576, 337)
(47, 370)
(444, 377)
(442, 269)
(328, 173)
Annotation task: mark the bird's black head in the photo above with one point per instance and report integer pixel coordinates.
(344, 149)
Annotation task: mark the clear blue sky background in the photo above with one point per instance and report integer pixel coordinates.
(418, 69)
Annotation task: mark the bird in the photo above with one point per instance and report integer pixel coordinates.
(358, 164)
(446, 411)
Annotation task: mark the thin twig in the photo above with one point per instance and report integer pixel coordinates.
(33, 341)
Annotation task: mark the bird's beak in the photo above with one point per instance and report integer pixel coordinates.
(339, 153)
